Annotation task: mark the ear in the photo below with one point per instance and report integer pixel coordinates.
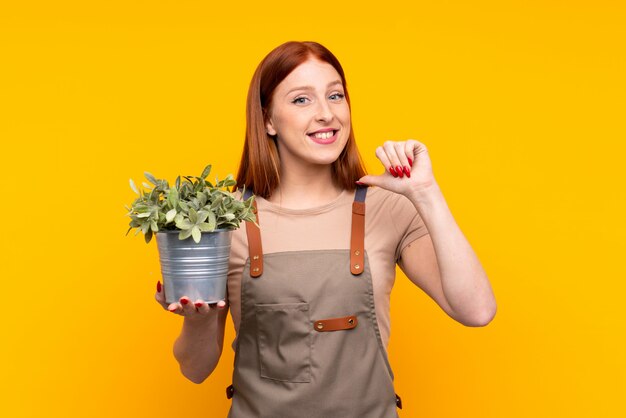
(269, 127)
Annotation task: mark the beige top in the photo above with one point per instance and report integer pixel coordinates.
(391, 223)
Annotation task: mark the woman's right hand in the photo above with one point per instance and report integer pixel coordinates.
(199, 310)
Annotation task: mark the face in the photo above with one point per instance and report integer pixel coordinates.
(310, 115)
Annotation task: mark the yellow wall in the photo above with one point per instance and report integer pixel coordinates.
(521, 104)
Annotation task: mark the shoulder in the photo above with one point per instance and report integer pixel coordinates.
(382, 199)
(384, 207)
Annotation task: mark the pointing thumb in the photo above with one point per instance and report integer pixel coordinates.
(370, 180)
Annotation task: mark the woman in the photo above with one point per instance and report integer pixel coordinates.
(310, 300)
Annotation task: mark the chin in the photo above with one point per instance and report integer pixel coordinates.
(325, 159)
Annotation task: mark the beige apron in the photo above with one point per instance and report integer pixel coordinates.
(308, 343)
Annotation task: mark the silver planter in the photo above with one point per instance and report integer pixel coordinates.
(196, 270)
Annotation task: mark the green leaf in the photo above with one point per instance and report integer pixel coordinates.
(218, 201)
(193, 215)
(154, 227)
(184, 234)
(178, 182)
(143, 215)
(184, 224)
(202, 198)
(205, 227)
(148, 236)
(212, 221)
(228, 216)
(206, 171)
(229, 181)
(172, 197)
(202, 215)
(151, 178)
(195, 232)
(170, 215)
(132, 186)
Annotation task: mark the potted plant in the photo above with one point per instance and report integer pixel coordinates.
(193, 223)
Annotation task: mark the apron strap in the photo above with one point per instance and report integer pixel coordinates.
(357, 235)
(254, 241)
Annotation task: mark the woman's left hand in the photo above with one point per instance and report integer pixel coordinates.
(407, 168)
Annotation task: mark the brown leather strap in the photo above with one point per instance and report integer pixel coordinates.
(357, 238)
(335, 324)
(254, 245)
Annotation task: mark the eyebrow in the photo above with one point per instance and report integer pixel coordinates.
(332, 83)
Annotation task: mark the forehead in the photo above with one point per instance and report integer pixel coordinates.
(312, 73)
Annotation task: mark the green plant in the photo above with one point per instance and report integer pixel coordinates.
(193, 205)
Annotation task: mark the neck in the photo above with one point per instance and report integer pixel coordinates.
(305, 186)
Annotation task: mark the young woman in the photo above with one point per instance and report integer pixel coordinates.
(309, 290)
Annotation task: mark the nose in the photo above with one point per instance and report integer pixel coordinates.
(324, 112)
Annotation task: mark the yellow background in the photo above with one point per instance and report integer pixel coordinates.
(521, 104)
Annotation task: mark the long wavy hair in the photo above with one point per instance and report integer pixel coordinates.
(259, 168)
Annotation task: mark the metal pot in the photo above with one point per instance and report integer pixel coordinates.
(196, 270)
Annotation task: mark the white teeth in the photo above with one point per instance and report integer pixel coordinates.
(324, 135)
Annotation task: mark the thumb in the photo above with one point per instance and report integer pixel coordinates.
(371, 180)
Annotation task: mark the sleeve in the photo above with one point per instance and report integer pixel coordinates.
(408, 223)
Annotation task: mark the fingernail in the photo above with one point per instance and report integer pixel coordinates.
(198, 304)
(399, 171)
(159, 286)
(411, 162)
(171, 309)
(407, 171)
(360, 183)
(184, 301)
(393, 172)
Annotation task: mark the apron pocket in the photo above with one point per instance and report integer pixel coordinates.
(284, 339)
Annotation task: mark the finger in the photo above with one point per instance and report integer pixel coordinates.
(175, 307)
(413, 148)
(382, 156)
(201, 307)
(392, 156)
(404, 161)
(374, 180)
(409, 146)
(160, 295)
(221, 304)
(188, 307)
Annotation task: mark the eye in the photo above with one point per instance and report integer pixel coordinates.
(337, 96)
(299, 100)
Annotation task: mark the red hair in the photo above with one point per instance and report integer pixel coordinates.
(259, 168)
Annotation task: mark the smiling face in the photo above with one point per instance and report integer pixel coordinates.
(309, 115)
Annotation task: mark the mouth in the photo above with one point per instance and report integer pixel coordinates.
(324, 136)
